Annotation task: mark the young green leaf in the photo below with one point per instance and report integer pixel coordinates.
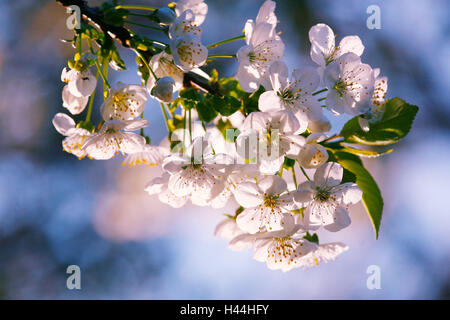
(372, 199)
(394, 125)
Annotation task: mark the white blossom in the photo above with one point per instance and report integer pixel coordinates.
(185, 25)
(274, 134)
(164, 89)
(262, 48)
(163, 65)
(74, 104)
(266, 14)
(160, 187)
(75, 137)
(115, 136)
(199, 174)
(293, 94)
(148, 155)
(227, 229)
(239, 173)
(80, 83)
(188, 52)
(281, 250)
(323, 46)
(377, 103)
(350, 84)
(322, 253)
(266, 203)
(326, 200)
(124, 102)
(313, 155)
(198, 7)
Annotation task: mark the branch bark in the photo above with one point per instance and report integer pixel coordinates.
(93, 14)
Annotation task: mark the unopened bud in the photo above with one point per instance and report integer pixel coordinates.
(165, 16)
(163, 90)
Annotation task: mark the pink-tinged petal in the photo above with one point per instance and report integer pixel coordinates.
(302, 197)
(266, 13)
(313, 156)
(157, 185)
(270, 101)
(322, 42)
(133, 125)
(348, 193)
(241, 242)
(350, 44)
(307, 79)
(285, 121)
(270, 165)
(296, 145)
(341, 220)
(63, 123)
(248, 195)
(248, 77)
(227, 229)
(251, 220)
(130, 142)
(256, 121)
(278, 74)
(272, 185)
(260, 33)
(329, 175)
(74, 104)
(335, 103)
(260, 251)
(180, 184)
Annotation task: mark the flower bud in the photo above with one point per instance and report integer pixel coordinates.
(165, 16)
(163, 90)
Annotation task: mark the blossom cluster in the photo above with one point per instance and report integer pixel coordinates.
(205, 164)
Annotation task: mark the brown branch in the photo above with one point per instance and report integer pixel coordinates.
(96, 16)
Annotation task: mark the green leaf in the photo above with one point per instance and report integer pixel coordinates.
(225, 105)
(394, 125)
(288, 163)
(312, 237)
(116, 60)
(372, 199)
(206, 111)
(366, 153)
(250, 101)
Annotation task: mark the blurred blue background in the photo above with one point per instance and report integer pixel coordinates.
(56, 210)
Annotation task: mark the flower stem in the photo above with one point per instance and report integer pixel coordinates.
(321, 99)
(214, 45)
(320, 91)
(280, 173)
(142, 129)
(294, 177)
(91, 100)
(190, 126)
(212, 56)
(147, 65)
(137, 15)
(136, 7)
(144, 26)
(304, 173)
(163, 109)
(104, 77)
(80, 45)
